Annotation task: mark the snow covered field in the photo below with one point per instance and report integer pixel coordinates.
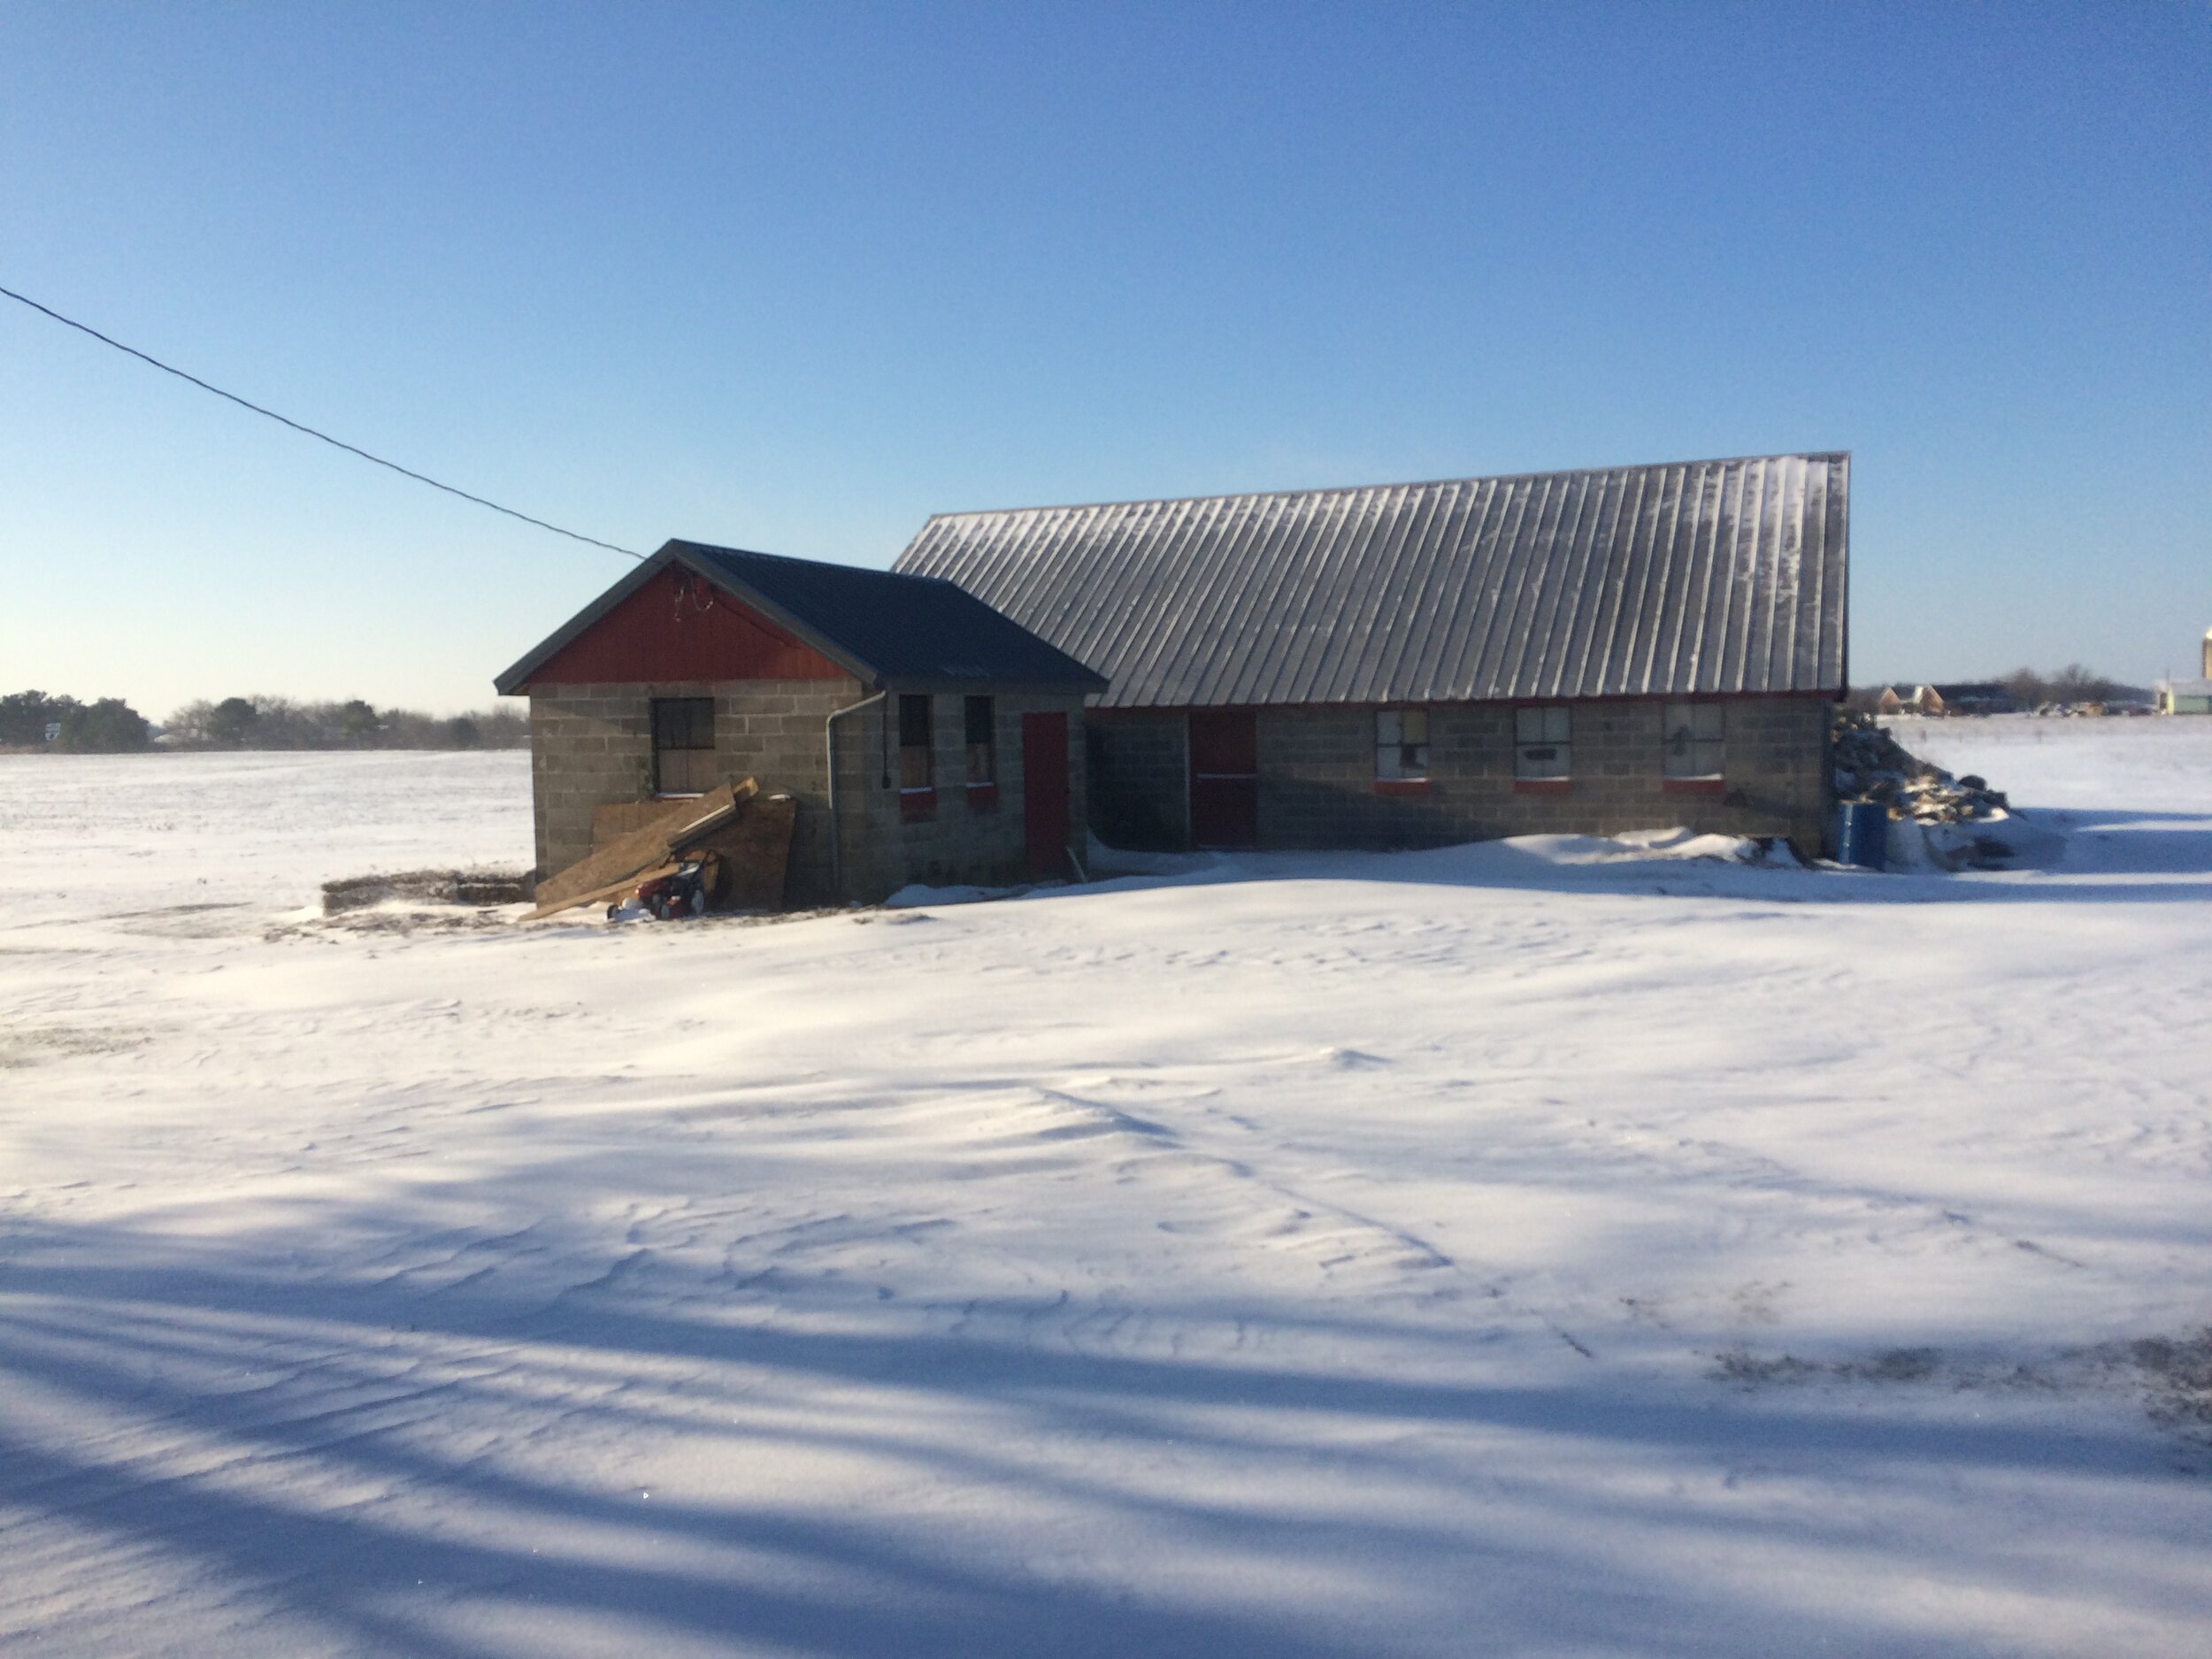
(1506, 1249)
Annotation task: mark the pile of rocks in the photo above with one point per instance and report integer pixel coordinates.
(1872, 766)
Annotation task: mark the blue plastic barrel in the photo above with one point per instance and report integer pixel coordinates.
(1863, 834)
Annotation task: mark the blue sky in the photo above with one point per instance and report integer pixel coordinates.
(793, 278)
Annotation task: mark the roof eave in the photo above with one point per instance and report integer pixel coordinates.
(1088, 686)
(516, 680)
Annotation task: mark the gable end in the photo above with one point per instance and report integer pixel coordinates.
(678, 626)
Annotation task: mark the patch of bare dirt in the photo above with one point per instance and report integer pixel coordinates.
(2173, 1375)
(36, 1045)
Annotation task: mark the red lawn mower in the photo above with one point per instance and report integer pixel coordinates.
(683, 892)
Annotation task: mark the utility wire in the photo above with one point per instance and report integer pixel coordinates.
(338, 442)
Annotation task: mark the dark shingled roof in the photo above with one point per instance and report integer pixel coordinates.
(1693, 577)
(888, 628)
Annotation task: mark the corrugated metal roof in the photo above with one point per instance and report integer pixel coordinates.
(1692, 577)
(889, 628)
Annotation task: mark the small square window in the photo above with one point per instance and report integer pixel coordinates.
(1402, 745)
(1694, 739)
(1543, 744)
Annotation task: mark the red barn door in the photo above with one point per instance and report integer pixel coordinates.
(1045, 792)
(1224, 777)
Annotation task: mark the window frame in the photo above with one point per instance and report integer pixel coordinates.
(979, 713)
(1691, 778)
(1551, 771)
(689, 718)
(1402, 760)
(916, 714)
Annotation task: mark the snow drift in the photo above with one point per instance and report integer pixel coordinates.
(1559, 1247)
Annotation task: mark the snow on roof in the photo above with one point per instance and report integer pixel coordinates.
(1699, 576)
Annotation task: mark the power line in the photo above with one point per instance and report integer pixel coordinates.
(337, 442)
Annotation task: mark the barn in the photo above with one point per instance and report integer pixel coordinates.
(1414, 664)
(921, 735)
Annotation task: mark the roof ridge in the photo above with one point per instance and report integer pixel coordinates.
(1416, 483)
(791, 559)
(943, 635)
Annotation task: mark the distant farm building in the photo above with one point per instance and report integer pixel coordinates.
(1421, 663)
(1976, 697)
(922, 735)
(1910, 700)
(2189, 696)
(1964, 697)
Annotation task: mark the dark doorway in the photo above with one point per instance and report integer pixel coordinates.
(1045, 792)
(1224, 777)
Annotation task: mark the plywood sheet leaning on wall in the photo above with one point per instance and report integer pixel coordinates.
(649, 848)
(755, 847)
(612, 820)
(756, 853)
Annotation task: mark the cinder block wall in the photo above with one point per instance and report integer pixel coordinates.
(593, 743)
(587, 744)
(966, 840)
(1138, 762)
(1317, 777)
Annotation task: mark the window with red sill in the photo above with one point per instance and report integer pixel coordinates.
(980, 716)
(918, 772)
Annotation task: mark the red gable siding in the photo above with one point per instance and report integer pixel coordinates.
(680, 626)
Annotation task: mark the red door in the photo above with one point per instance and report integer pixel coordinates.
(1045, 792)
(1224, 777)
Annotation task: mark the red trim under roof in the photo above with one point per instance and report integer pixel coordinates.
(680, 627)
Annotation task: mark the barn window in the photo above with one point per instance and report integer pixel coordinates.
(1402, 745)
(1693, 741)
(917, 777)
(683, 745)
(982, 742)
(981, 719)
(1543, 744)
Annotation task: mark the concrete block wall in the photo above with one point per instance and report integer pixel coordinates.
(593, 743)
(589, 744)
(1317, 777)
(1138, 763)
(963, 840)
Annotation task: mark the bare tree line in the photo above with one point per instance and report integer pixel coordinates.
(36, 720)
(272, 722)
(2074, 686)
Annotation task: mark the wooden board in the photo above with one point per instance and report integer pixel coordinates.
(612, 820)
(621, 859)
(623, 889)
(756, 852)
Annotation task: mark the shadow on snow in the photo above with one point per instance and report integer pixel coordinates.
(266, 1496)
